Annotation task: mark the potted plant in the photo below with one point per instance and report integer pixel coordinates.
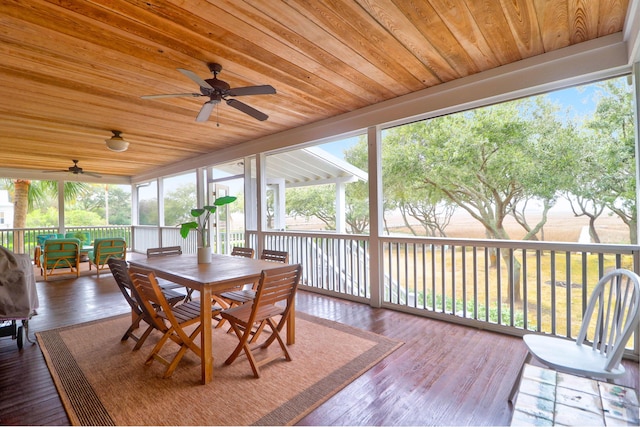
(201, 225)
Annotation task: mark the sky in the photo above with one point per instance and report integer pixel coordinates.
(580, 99)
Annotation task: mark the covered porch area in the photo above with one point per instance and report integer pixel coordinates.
(444, 374)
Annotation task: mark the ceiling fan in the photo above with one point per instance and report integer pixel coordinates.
(218, 91)
(75, 169)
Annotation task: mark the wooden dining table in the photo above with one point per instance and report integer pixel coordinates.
(223, 273)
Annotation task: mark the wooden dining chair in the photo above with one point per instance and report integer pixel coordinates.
(171, 320)
(242, 251)
(218, 298)
(164, 283)
(248, 292)
(276, 286)
(273, 255)
(120, 271)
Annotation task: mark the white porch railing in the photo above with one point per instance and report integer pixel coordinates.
(508, 286)
(8, 236)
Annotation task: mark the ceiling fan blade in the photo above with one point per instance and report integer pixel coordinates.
(193, 76)
(206, 110)
(95, 175)
(172, 95)
(253, 90)
(56, 171)
(247, 109)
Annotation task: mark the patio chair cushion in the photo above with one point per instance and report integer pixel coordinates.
(42, 237)
(60, 253)
(104, 249)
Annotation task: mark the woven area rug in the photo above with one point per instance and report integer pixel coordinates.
(102, 382)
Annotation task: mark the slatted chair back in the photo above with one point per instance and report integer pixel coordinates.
(611, 317)
(164, 251)
(175, 319)
(277, 256)
(120, 270)
(248, 292)
(105, 249)
(242, 251)
(166, 284)
(60, 257)
(274, 300)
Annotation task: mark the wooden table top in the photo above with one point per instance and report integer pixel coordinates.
(223, 272)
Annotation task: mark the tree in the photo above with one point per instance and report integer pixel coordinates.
(486, 161)
(613, 128)
(26, 194)
(313, 201)
(178, 204)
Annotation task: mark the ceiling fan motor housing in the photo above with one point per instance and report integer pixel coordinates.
(219, 85)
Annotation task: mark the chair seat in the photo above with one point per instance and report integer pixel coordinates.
(242, 313)
(168, 285)
(189, 311)
(240, 296)
(566, 355)
(173, 297)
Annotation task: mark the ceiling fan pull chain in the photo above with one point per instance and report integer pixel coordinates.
(218, 115)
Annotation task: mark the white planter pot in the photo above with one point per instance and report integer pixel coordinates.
(204, 255)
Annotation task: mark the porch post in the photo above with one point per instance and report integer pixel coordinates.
(261, 199)
(160, 197)
(376, 252)
(635, 75)
(250, 212)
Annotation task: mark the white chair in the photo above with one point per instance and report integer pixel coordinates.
(610, 319)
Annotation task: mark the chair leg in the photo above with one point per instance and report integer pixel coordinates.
(242, 345)
(156, 350)
(185, 344)
(142, 338)
(516, 383)
(215, 299)
(134, 325)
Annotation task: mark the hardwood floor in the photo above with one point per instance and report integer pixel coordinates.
(444, 374)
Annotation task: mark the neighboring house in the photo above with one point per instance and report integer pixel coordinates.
(6, 210)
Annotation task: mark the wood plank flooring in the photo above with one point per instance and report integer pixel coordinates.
(444, 374)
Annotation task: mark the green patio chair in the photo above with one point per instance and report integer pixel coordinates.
(105, 249)
(60, 254)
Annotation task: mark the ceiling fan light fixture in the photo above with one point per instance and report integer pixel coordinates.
(116, 142)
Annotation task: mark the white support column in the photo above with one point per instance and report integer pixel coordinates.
(160, 198)
(202, 194)
(261, 202)
(635, 75)
(279, 203)
(250, 198)
(635, 81)
(376, 279)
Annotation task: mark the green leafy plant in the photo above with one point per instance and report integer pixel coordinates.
(80, 235)
(202, 216)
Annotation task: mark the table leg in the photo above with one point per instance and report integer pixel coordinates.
(291, 325)
(205, 335)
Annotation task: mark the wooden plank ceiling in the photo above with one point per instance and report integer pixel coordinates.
(73, 70)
